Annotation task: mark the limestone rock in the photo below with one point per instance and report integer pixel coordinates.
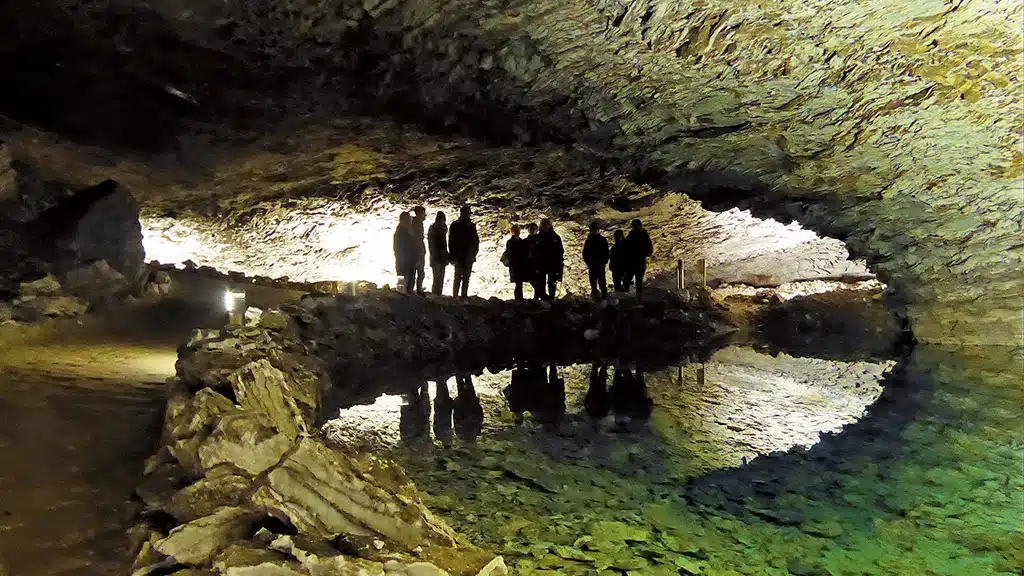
(199, 541)
(97, 282)
(8, 178)
(262, 388)
(325, 493)
(6, 313)
(35, 307)
(267, 569)
(45, 286)
(244, 440)
(326, 561)
(99, 223)
(246, 554)
(189, 421)
(206, 495)
(274, 320)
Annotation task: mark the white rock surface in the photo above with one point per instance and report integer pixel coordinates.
(264, 389)
(244, 440)
(200, 540)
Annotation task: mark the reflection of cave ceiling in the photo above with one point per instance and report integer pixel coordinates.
(894, 125)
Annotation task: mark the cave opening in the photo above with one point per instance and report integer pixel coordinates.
(263, 151)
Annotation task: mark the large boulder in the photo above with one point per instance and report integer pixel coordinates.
(260, 387)
(325, 493)
(245, 441)
(98, 223)
(97, 283)
(199, 541)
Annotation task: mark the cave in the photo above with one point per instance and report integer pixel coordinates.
(200, 312)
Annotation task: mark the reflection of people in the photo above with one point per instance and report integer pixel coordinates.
(415, 413)
(463, 246)
(629, 394)
(469, 414)
(597, 403)
(443, 407)
(405, 250)
(553, 399)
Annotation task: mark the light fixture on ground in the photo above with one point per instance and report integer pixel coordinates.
(234, 304)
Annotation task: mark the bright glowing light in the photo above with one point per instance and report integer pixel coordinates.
(232, 298)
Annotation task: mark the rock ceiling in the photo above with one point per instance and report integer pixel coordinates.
(895, 126)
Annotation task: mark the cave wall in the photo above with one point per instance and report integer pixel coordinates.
(892, 125)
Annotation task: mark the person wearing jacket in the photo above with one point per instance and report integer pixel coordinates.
(517, 258)
(531, 244)
(595, 256)
(437, 242)
(463, 246)
(419, 218)
(617, 262)
(405, 251)
(638, 249)
(549, 258)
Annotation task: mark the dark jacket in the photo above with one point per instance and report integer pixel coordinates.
(437, 240)
(417, 234)
(595, 251)
(638, 248)
(617, 256)
(548, 253)
(463, 242)
(405, 250)
(517, 250)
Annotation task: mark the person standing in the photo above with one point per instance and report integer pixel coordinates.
(517, 258)
(638, 249)
(617, 262)
(463, 246)
(531, 244)
(405, 250)
(550, 258)
(595, 256)
(437, 241)
(419, 218)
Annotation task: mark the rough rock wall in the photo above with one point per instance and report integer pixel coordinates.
(895, 126)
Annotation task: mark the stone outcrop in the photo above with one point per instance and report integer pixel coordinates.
(99, 223)
(894, 127)
(244, 483)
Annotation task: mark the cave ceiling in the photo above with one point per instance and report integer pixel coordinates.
(894, 125)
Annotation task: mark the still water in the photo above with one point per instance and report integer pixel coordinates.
(572, 469)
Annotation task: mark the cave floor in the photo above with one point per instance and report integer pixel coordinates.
(80, 409)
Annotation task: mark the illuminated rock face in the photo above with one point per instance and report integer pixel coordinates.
(895, 126)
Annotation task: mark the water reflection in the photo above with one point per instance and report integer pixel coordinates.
(687, 419)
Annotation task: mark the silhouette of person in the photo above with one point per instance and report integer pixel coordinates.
(638, 249)
(629, 395)
(437, 240)
(517, 258)
(414, 416)
(595, 256)
(463, 246)
(405, 250)
(617, 262)
(443, 408)
(597, 402)
(418, 220)
(468, 412)
(551, 409)
(534, 257)
(550, 258)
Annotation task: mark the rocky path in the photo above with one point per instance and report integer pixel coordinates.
(80, 406)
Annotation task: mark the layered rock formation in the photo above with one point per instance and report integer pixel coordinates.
(895, 128)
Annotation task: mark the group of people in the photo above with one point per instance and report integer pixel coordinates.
(457, 245)
(537, 260)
